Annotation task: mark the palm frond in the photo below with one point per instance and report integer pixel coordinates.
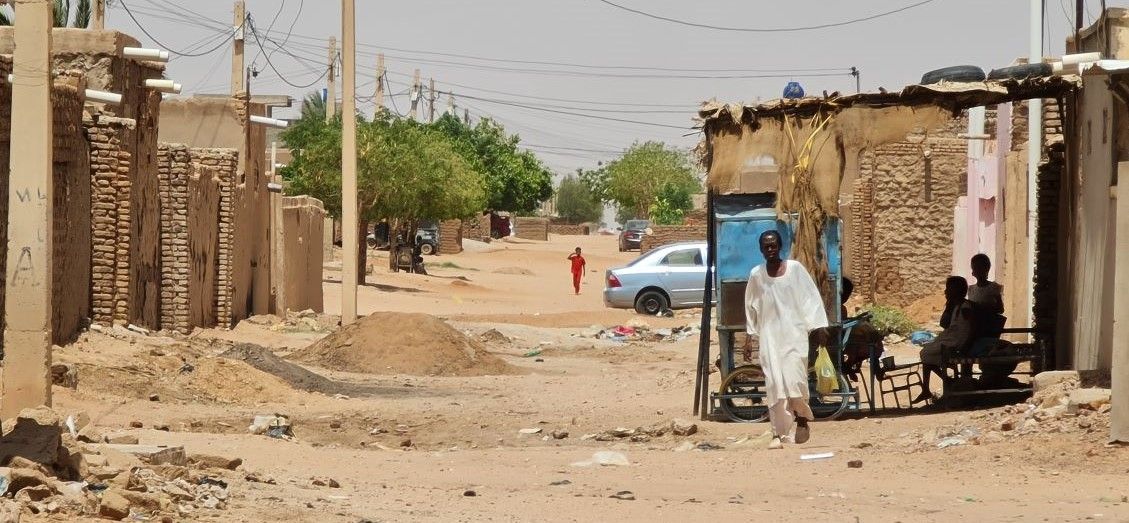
(6, 16)
(62, 12)
(82, 14)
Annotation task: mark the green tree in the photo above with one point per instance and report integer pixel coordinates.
(596, 180)
(516, 180)
(406, 172)
(576, 203)
(671, 204)
(61, 12)
(636, 179)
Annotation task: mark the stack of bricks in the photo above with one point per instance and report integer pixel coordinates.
(225, 163)
(477, 228)
(450, 236)
(110, 165)
(862, 219)
(528, 228)
(569, 230)
(1052, 124)
(667, 234)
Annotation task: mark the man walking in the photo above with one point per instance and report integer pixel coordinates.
(578, 266)
(782, 308)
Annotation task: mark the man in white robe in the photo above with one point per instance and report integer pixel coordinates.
(782, 308)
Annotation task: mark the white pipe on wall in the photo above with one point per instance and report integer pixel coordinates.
(103, 96)
(141, 53)
(271, 122)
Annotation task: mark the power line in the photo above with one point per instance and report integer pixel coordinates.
(169, 49)
(582, 115)
(255, 33)
(685, 111)
(765, 29)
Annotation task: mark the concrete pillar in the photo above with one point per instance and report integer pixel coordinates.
(237, 75)
(1119, 421)
(27, 339)
(327, 239)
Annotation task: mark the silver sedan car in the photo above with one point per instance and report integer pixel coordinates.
(668, 277)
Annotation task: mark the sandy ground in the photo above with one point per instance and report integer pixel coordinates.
(463, 432)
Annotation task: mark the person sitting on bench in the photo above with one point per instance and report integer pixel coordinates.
(987, 305)
(957, 321)
(862, 337)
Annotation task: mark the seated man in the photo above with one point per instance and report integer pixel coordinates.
(958, 323)
(863, 335)
(987, 301)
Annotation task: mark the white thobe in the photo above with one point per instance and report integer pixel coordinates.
(781, 312)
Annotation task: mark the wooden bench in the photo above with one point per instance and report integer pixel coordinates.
(966, 366)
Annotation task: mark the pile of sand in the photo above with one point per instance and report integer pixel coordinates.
(401, 343)
(927, 311)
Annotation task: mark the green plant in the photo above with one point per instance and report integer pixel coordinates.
(449, 265)
(890, 320)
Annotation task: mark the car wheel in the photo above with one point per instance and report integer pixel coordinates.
(958, 73)
(651, 303)
(427, 249)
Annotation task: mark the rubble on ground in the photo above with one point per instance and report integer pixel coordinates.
(1059, 405)
(47, 470)
(639, 331)
(304, 321)
(675, 427)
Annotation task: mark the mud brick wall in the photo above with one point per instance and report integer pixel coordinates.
(71, 220)
(1047, 252)
(173, 168)
(303, 219)
(903, 215)
(145, 222)
(251, 261)
(450, 236)
(570, 230)
(477, 228)
(111, 160)
(531, 228)
(668, 234)
(71, 247)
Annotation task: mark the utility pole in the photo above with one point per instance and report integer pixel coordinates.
(466, 116)
(278, 243)
(431, 100)
(237, 69)
(380, 82)
(1034, 146)
(414, 95)
(350, 231)
(331, 87)
(858, 84)
(98, 20)
(27, 337)
(451, 104)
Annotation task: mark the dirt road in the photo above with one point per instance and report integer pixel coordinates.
(426, 448)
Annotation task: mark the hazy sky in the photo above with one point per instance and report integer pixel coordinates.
(635, 62)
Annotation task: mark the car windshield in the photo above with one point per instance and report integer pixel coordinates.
(636, 224)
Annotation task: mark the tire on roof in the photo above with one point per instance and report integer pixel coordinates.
(956, 73)
(1021, 72)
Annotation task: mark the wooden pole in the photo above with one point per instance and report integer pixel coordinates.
(431, 100)
(27, 337)
(331, 82)
(414, 95)
(349, 237)
(98, 20)
(380, 72)
(237, 69)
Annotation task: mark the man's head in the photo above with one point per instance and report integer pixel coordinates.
(848, 288)
(981, 264)
(770, 245)
(956, 287)
(578, 250)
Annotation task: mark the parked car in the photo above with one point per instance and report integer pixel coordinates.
(668, 277)
(631, 234)
(427, 237)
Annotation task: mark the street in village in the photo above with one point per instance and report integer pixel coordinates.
(272, 261)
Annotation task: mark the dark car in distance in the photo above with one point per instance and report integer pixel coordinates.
(631, 234)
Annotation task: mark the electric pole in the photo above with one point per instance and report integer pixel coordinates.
(237, 85)
(855, 73)
(350, 230)
(466, 116)
(431, 100)
(450, 103)
(98, 20)
(414, 95)
(27, 337)
(380, 82)
(331, 87)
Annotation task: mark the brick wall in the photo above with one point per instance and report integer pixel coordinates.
(902, 215)
(531, 228)
(477, 228)
(668, 234)
(450, 237)
(195, 193)
(570, 230)
(111, 160)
